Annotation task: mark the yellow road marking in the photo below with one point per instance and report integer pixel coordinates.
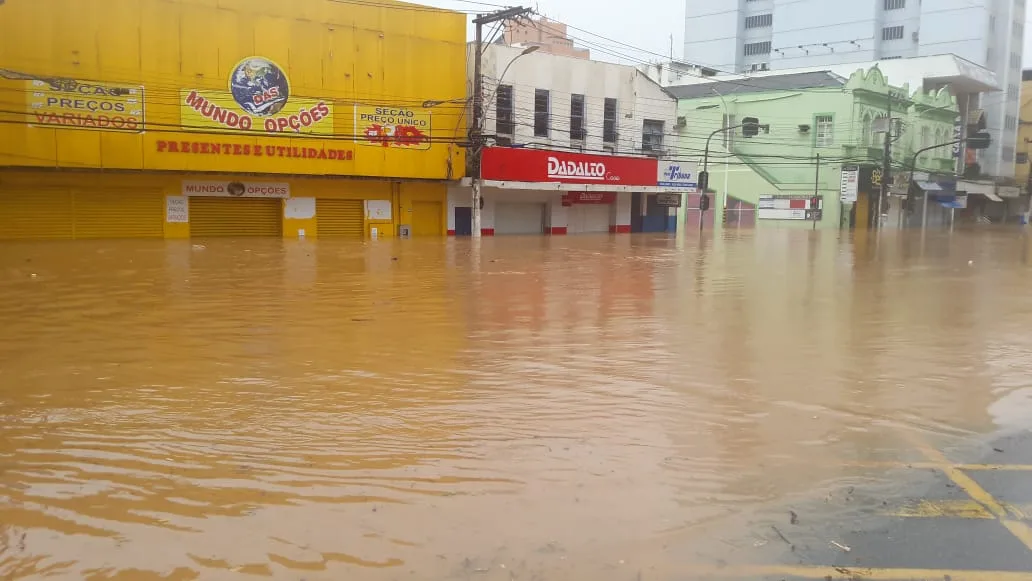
(850, 573)
(956, 509)
(973, 489)
(934, 466)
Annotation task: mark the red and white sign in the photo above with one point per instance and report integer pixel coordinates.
(536, 165)
(571, 198)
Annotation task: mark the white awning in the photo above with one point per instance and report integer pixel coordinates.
(929, 186)
(984, 188)
(1008, 191)
(993, 197)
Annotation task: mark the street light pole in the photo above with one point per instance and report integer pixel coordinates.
(704, 176)
(476, 133)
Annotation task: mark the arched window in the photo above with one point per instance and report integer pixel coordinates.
(866, 128)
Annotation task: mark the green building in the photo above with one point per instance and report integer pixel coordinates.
(769, 179)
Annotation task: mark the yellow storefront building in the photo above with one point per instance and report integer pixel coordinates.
(180, 118)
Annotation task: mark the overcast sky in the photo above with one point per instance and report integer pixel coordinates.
(645, 24)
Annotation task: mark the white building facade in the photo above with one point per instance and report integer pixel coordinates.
(547, 118)
(756, 35)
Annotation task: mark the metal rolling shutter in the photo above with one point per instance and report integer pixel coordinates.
(223, 217)
(36, 214)
(119, 214)
(340, 218)
(519, 219)
(588, 218)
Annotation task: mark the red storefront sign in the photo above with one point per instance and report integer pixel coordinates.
(571, 198)
(537, 165)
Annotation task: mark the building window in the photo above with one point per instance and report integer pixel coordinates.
(1015, 60)
(609, 121)
(1010, 122)
(1021, 158)
(759, 21)
(1007, 154)
(540, 113)
(1019, 29)
(992, 22)
(895, 4)
(892, 33)
(652, 135)
(825, 125)
(505, 111)
(755, 48)
(577, 130)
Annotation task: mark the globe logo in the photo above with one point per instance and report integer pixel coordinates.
(259, 86)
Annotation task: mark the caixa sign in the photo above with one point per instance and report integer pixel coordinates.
(678, 175)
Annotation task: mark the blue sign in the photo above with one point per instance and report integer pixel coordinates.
(677, 174)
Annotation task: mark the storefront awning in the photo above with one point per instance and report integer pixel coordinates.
(929, 186)
(992, 196)
(984, 188)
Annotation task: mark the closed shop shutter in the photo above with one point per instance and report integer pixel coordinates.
(426, 219)
(218, 217)
(520, 219)
(36, 214)
(585, 218)
(119, 214)
(340, 218)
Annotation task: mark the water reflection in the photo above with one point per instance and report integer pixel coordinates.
(576, 408)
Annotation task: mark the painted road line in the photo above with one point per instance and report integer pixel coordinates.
(934, 466)
(973, 489)
(956, 509)
(849, 573)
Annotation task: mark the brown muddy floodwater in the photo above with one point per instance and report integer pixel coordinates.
(570, 408)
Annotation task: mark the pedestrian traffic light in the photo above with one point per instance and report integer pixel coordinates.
(704, 203)
(750, 126)
(703, 181)
(815, 203)
(980, 140)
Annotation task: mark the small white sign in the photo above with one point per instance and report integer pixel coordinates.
(233, 189)
(850, 184)
(679, 175)
(177, 209)
(378, 209)
(299, 208)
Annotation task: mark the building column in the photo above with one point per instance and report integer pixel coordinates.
(559, 220)
(621, 217)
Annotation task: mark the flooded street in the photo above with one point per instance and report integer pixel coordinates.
(576, 408)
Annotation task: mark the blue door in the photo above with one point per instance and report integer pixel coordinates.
(463, 221)
(655, 218)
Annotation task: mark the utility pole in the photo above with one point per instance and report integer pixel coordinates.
(476, 132)
(816, 191)
(886, 165)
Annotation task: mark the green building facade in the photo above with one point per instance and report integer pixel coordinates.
(803, 116)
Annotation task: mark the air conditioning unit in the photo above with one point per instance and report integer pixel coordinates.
(682, 122)
(804, 128)
(914, 35)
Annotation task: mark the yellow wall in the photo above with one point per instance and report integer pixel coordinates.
(1024, 145)
(351, 56)
(401, 195)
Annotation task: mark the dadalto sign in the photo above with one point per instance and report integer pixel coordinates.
(535, 165)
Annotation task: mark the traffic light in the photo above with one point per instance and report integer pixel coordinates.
(980, 140)
(704, 203)
(815, 203)
(703, 181)
(750, 127)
